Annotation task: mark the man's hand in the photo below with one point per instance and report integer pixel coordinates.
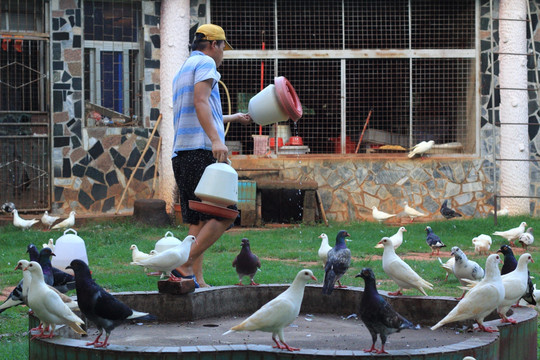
(241, 118)
(220, 151)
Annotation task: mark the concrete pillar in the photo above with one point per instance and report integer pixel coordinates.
(174, 29)
(515, 178)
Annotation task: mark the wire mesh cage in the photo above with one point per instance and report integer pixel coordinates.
(411, 63)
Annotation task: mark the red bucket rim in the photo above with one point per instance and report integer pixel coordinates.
(288, 98)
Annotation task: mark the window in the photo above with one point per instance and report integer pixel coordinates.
(112, 64)
(412, 62)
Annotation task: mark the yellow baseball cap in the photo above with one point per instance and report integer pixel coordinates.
(213, 32)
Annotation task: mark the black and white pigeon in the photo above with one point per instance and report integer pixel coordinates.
(510, 264)
(100, 307)
(465, 269)
(447, 212)
(339, 260)
(246, 263)
(377, 314)
(60, 280)
(433, 241)
(7, 207)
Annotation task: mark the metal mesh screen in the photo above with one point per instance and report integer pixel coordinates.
(362, 61)
(376, 24)
(21, 15)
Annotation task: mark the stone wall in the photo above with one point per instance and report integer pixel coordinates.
(91, 165)
(349, 185)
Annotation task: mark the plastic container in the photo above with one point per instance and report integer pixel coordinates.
(218, 185)
(166, 242)
(275, 103)
(283, 131)
(68, 247)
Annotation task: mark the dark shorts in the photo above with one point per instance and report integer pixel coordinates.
(188, 167)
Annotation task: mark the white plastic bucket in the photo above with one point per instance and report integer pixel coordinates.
(264, 108)
(275, 103)
(68, 247)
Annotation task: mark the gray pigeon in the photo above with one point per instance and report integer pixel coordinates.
(377, 314)
(339, 260)
(465, 268)
(246, 263)
(100, 307)
(447, 212)
(433, 241)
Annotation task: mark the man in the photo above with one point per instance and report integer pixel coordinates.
(200, 138)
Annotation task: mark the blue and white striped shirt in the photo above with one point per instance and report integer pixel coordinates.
(189, 134)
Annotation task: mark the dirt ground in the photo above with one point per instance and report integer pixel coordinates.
(308, 331)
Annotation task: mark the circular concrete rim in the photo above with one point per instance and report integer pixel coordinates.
(466, 345)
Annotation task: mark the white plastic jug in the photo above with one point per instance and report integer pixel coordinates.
(166, 242)
(68, 247)
(275, 103)
(218, 185)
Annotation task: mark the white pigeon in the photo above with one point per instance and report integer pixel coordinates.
(137, 255)
(380, 216)
(421, 148)
(324, 248)
(527, 238)
(502, 212)
(412, 213)
(515, 285)
(448, 266)
(397, 239)
(50, 245)
(399, 271)
(279, 312)
(48, 220)
(27, 278)
(48, 306)
(465, 269)
(512, 234)
(169, 259)
(481, 300)
(22, 223)
(482, 243)
(66, 223)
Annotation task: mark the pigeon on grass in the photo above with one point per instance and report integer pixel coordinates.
(527, 238)
(278, 313)
(512, 234)
(48, 220)
(412, 212)
(447, 212)
(339, 260)
(100, 307)
(48, 306)
(324, 248)
(22, 223)
(433, 241)
(399, 271)
(246, 263)
(67, 222)
(481, 300)
(397, 239)
(377, 314)
(380, 216)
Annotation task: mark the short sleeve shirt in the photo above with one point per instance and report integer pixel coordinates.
(189, 134)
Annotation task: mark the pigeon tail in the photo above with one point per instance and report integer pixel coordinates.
(77, 328)
(329, 282)
(137, 315)
(229, 332)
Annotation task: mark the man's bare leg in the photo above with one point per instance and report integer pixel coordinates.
(206, 233)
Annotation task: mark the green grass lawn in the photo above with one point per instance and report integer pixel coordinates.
(283, 252)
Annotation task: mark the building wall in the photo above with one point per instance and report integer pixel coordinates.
(92, 165)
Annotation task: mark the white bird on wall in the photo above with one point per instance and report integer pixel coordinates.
(22, 223)
(48, 220)
(324, 248)
(397, 239)
(412, 213)
(379, 215)
(421, 148)
(66, 223)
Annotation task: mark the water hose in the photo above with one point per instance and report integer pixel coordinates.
(229, 102)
